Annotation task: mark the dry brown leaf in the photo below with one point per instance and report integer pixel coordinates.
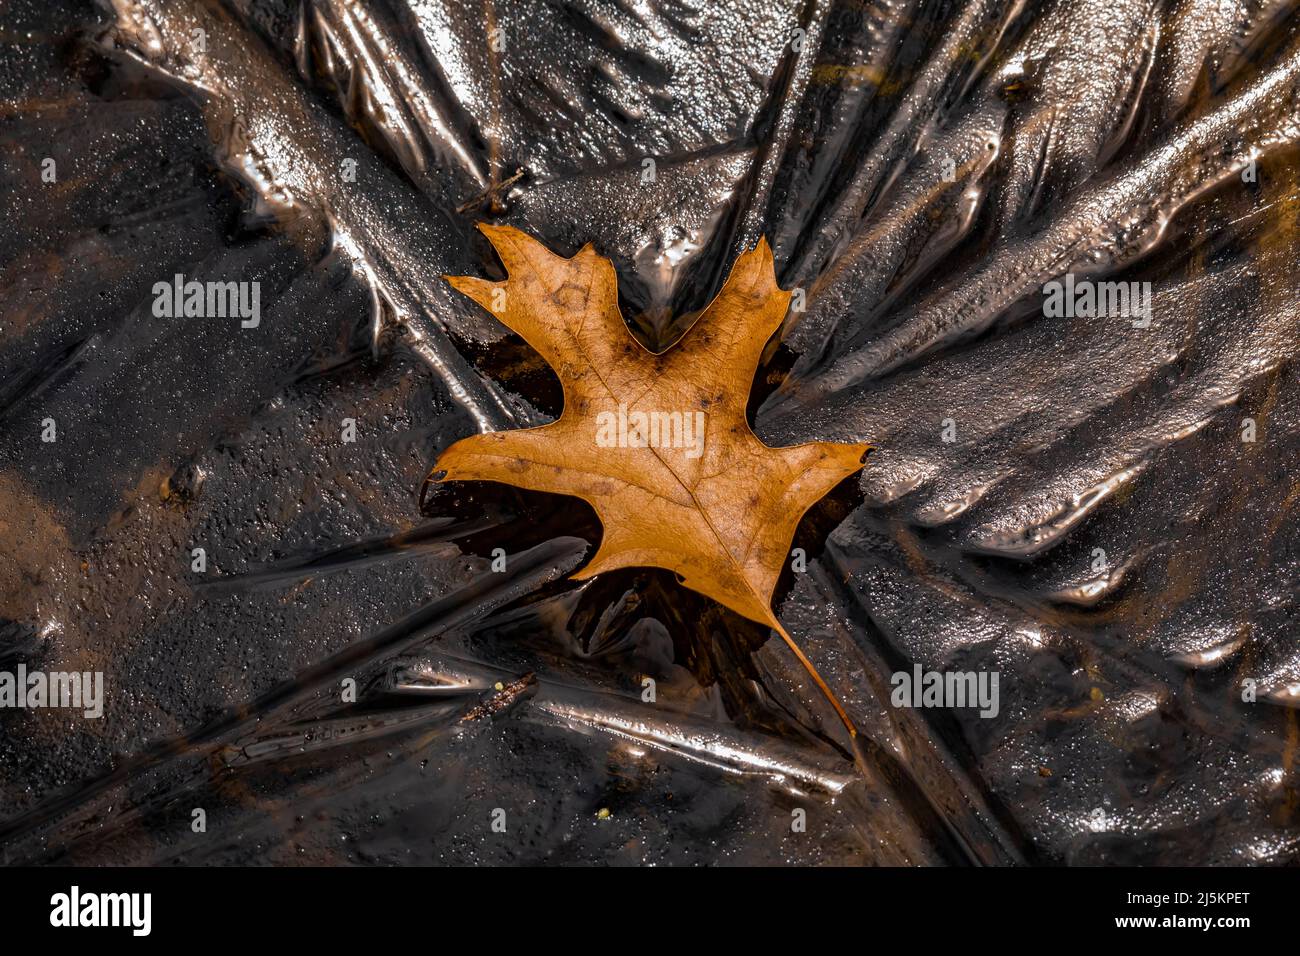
(713, 504)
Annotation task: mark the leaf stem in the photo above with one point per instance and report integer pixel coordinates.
(817, 679)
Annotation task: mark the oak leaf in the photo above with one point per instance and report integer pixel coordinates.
(657, 443)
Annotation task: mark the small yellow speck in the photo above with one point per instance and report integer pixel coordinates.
(499, 686)
(1096, 694)
(602, 813)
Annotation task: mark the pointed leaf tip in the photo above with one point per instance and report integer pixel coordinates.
(499, 233)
